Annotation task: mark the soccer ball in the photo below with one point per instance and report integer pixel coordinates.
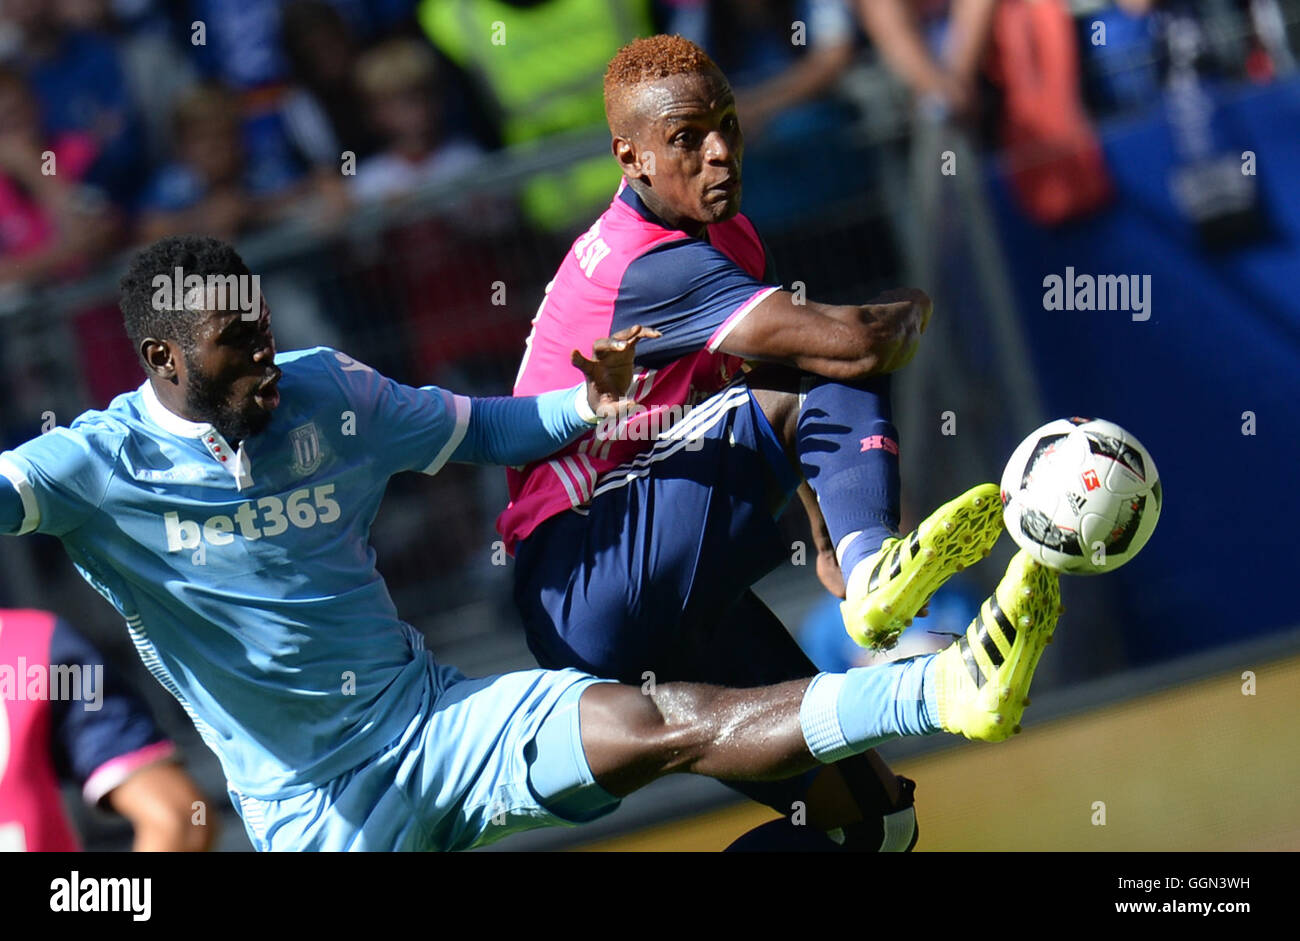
(1081, 495)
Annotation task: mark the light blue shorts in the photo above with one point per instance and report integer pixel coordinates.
(457, 777)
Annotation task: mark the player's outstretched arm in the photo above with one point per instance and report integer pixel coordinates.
(515, 431)
(53, 482)
(840, 342)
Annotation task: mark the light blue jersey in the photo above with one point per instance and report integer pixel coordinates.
(246, 576)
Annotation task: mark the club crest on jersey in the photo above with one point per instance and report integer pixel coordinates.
(307, 451)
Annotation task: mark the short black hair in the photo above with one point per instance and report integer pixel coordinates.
(193, 254)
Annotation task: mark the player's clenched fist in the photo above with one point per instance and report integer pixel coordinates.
(610, 374)
(897, 319)
(842, 342)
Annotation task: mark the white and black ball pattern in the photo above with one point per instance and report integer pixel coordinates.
(1081, 495)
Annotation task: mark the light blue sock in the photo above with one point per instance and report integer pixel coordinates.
(847, 713)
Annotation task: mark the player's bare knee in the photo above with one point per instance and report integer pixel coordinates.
(672, 726)
(686, 728)
(629, 739)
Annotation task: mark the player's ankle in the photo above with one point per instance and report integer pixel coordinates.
(845, 714)
(854, 552)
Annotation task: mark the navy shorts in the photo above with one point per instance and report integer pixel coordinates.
(652, 578)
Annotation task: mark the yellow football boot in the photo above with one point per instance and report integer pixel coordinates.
(982, 680)
(887, 589)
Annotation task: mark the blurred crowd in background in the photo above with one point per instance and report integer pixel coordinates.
(227, 116)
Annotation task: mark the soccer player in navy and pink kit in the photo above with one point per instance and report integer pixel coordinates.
(637, 545)
(64, 717)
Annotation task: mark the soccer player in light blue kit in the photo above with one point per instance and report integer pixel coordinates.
(224, 509)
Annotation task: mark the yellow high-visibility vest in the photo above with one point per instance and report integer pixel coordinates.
(542, 69)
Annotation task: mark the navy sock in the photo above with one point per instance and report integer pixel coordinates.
(848, 449)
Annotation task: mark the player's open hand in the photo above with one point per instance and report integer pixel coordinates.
(610, 374)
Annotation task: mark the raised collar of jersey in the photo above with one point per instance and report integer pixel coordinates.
(169, 420)
(632, 199)
(236, 462)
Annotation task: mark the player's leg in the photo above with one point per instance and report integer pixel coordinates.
(650, 585)
(842, 438)
(977, 687)
(859, 800)
(542, 748)
(499, 754)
